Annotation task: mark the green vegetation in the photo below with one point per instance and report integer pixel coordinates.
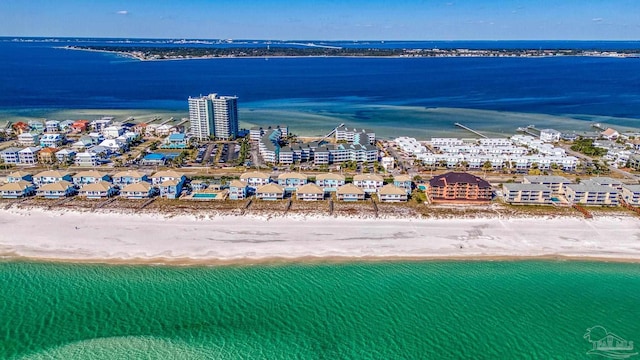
(160, 52)
(585, 146)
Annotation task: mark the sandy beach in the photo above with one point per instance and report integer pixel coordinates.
(66, 235)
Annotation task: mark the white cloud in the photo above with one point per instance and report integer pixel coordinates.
(122, 12)
(597, 19)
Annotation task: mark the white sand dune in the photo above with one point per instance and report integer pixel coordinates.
(85, 236)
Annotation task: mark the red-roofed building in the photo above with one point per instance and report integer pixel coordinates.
(80, 125)
(610, 134)
(20, 127)
(459, 187)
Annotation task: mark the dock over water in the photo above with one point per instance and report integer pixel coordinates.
(470, 129)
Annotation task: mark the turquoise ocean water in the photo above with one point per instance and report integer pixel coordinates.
(386, 310)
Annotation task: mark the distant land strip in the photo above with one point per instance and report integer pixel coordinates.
(176, 53)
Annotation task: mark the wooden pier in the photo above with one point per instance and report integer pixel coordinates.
(470, 130)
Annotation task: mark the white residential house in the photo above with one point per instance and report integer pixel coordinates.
(369, 183)
(65, 125)
(28, 155)
(113, 145)
(310, 192)
(392, 193)
(112, 132)
(350, 192)
(57, 190)
(52, 126)
(387, 162)
(86, 159)
(270, 192)
(10, 155)
(28, 139)
(101, 124)
(165, 130)
(17, 189)
(138, 190)
(550, 135)
(65, 156)
(83, 144)
(330, 182)
(96, 137)
(90, 177)
(98, 190)
(52, 140)
(610, 134)
(255, 179)
(51, 176)
(20, 176)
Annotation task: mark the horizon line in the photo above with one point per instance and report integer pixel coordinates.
(289, 40)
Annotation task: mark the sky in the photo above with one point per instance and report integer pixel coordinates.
(325, 19)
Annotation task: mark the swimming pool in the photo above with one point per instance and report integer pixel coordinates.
(204, 196)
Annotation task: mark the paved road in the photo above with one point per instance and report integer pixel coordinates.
(613, 169)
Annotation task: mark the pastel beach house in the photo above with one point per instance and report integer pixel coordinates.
(28, 139)
(310, 192)
(169, 182)
(370, 183)
(138, 190)
(290, 181)
(270, 192)
(19, 176)
(124, 178)
(52, 140)
(51, 176)
(330, 182)
(98, 190)
(17, 189)
(392, 193)
(237, 190)
(175, 141)
(57, 190)
(90, 177)
(403, 182)
(350, 192)
(255, 179)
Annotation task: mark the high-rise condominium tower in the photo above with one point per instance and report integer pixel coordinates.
(215, 116)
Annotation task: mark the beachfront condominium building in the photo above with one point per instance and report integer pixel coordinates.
(457, 186)
(213, 115)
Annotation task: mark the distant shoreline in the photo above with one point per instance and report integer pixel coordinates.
(169, 54)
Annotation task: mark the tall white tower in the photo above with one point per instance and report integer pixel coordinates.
(215, 116)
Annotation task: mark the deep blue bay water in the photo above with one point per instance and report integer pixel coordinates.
(359, 310)
(393, 96)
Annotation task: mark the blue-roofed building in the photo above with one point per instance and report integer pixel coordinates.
(154, 160)
(175, 141)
